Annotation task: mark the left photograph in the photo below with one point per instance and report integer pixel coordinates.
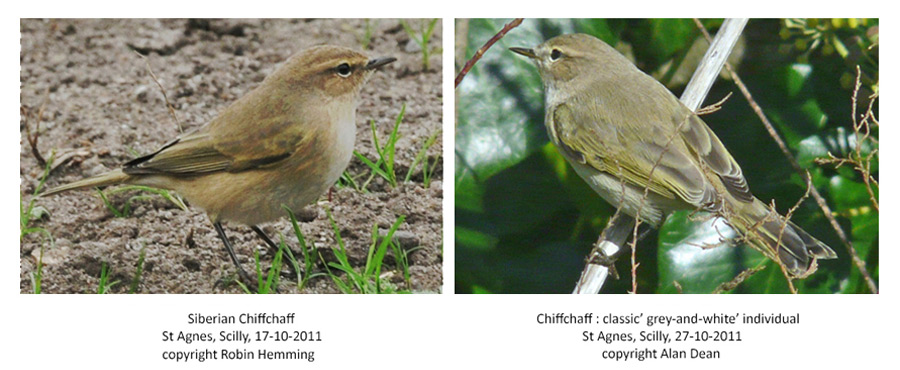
(230, 156)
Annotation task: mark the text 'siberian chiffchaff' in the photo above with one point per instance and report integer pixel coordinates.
(624, 132)
(285, 142)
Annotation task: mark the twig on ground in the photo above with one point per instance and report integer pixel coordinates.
(34, 136)
(161, 89)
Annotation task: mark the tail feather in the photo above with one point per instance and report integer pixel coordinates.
(794, 248)
(109, 178)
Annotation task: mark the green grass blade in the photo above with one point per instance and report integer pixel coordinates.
(375, 167)
(38, 273)
(136, 280)
(422, 156)
(104, 284)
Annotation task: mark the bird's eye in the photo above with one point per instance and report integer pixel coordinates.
(555, 54)
(343, 70)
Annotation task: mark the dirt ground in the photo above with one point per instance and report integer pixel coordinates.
(100, 103)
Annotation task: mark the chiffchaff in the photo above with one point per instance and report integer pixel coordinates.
(285, 142)
(624, 133)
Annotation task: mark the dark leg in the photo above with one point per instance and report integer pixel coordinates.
(617, 232)
(271, 244)
(265, 238)
(244, 276)
(643, 234)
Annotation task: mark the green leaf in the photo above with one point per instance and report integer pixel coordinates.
(655, 41)
(809, 149)
(474, 239)
(796, 76)
(519, 272)
(687, 255)
(852, 200)
(500, 111)
(813, 113)
(770, 280)
(600, 28)
(848, 194)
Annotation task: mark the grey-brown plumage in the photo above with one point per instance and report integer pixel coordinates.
(622, 130)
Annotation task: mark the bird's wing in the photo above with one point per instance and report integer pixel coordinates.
(599, 143)
(706, 145)
(257, 146)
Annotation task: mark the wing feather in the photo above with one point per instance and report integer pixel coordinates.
(598, 143)
(202, 152)
(706, 145)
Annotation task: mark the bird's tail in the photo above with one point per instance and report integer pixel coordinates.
(780, 240)
(109, 178)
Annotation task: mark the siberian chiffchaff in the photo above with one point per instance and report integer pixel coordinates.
(285, 142)
(624, 132)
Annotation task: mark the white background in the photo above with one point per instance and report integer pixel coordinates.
(440, 331)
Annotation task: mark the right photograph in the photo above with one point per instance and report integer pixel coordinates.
(667, 156)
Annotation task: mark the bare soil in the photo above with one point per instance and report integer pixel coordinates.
(100, 103)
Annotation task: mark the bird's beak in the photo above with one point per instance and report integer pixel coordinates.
(378, 62)
(526, 52)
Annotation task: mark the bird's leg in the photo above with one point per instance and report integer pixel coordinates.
(244, 276)
(265, 238)
(644, 233)
(271, 244)
(598, 256)
(611, 243)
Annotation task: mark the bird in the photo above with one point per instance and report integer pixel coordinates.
(642, 150)
(284, 143)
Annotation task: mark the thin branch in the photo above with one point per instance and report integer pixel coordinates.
(784, 225)
(713, 107)
(600, 262)
(731, 285)
(860, 164)
(608, 246)
(716, 56)
(478, 54)
(860, 264)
